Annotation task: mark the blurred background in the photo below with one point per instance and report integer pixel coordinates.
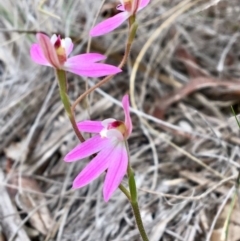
(184, 76)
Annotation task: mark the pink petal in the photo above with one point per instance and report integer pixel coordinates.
(85, 58)
(87, 148)
(48, 50)
(37, 55)
(97, 166)
(128, 120)
(68, 45)
(109, 24)
(143, 4)
(115, 135)
(116, 170)
(53, 39)
(90, 126)
(91, 69)
(108, 121)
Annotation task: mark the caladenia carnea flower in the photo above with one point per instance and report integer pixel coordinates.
(109, 142)
(55, 52)
(128, 8)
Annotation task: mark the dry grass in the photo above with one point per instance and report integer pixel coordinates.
(185, 154)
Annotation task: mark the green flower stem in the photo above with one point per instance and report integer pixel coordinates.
(132, 184)
(229, 214)
(138, 219)
(62, 82)
(233, 112)
(131, 20)
(125, 191)
(132, 33)
(134, 199)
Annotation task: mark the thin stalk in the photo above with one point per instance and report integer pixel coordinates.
(131, 20)
(61, 77)
(228, 219)
(139, 222)
(131, 36)
(233, 111)
(125, 191)
(134, 199)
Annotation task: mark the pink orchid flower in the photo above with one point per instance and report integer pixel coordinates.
(109, 143)
(128, 8)
(54, 52)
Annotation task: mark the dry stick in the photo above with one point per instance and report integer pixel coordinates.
(94, 22)
(10, 223)
(88, 50)
(181, 150)
(219, 212)
(181, 9)
(192, 198)
(40, 9)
